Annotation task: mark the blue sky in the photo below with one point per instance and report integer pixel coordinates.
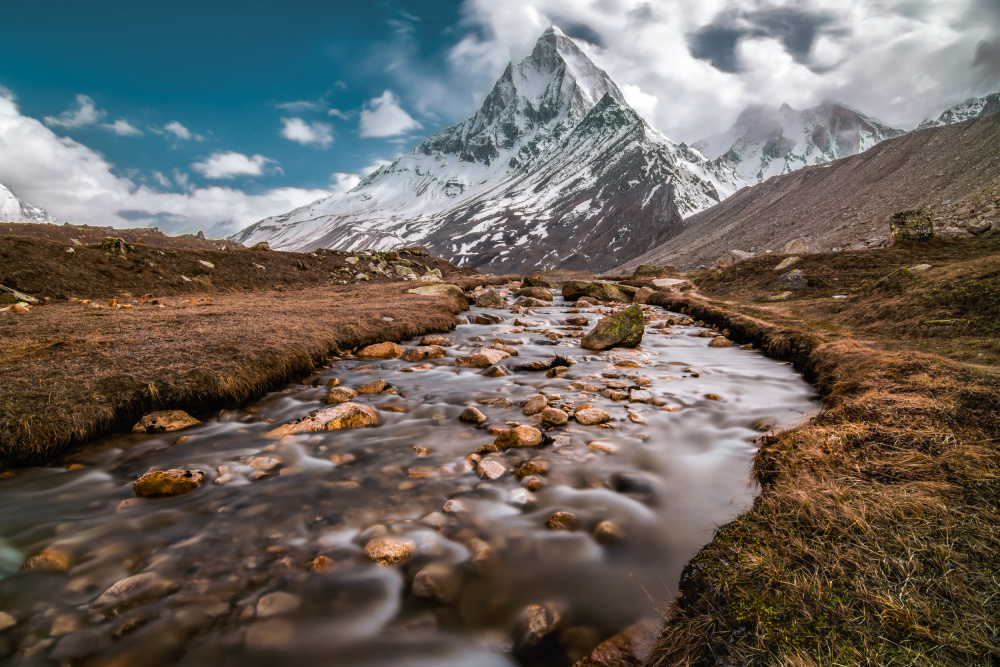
(214, 114)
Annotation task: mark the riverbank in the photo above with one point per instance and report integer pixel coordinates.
(874, 537)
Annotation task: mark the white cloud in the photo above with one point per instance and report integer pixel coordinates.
(75, 183)
(230, 164)
(342, 181)
(86, 113)
(900, 61)
(299, 106)
(307, 134)
(122, 128)
(337, 113)
(383, 117)
(178, 130)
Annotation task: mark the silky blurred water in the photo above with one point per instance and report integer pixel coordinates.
(220, 554)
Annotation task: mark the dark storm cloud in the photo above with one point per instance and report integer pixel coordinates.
(579, 30)
(796, 29)
(987, 59)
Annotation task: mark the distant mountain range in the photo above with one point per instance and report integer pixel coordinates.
(555, 170)
(13, 209)
(767, 141)
(976, 107)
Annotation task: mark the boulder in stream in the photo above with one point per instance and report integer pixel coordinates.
(491, 299)
(623, 329)
(390, 551)
(164, 421)
(425, 352)
(345, 415)
(382, 351)
(165, 483)
(573, 290)
(519, 436)
(482, 358)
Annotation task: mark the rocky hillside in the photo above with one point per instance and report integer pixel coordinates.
(555, 170)
(766, 141)
(954, 171)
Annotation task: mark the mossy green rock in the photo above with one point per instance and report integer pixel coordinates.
(622, 329)
(912, 226)
(574, 289)
(647, 270)
(441, 289)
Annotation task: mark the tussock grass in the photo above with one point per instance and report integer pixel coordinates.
(69, 374)
(875, 537)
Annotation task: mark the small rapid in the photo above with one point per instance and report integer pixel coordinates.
(270, 561)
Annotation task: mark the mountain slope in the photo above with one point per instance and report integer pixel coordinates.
(954, 171)
(554, 170)
(976, 107)
(13, 209)
(766, 141)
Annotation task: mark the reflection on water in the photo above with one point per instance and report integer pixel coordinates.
(265, 562)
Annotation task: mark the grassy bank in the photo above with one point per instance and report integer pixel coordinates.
(875, 535)
(70, 373)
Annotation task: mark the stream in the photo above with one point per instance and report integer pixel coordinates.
(266, 564)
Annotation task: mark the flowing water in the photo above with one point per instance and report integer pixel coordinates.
(230, 571)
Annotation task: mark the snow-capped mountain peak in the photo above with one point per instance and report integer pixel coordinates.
(554, 169)
(766, 141)
(13, 209)
(976, 107)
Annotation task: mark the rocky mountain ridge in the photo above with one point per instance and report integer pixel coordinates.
(13, 209)
(555, 170)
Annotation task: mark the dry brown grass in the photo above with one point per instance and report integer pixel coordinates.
(875, 536)
(69, 373)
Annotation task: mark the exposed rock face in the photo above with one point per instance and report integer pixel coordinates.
(345, 415)
(622, 329)
(912, 226)
(159, 484)
(164, 421)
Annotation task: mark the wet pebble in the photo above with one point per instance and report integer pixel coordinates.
(561, 521)
(277, 603)
(472, 415)
(164, 483)
(592, 416)
(389, 551)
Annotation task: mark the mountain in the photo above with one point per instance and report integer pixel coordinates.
(554, 170)
(766, 141)
(13, 209)
(976, 107)
(950, 170)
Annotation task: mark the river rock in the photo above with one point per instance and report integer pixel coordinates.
(50, 559)
(482, 358)
(642, 295)
(491, 299)
(623, 329)
(561, 521)
(438, 582)
(721, 341)
(533, 482)
(592, 416)
(425, 352)
(539, 293)
(604, 447)
(487, 318)
(535, 404)
(491, 469)
(528, 302)
(496, 371)
(345, 415)
(390, 551)
(608, 532)
(554, 416)
(443, 341)
(340, 395)
(639, 396)
(373, 387)
(277, 603)
(512, 351)
(137, 588)
(164, 483)
(472, 415)
(533, 467)
(164, 421)
(540, 620)
(578, 320)
(6, 621)
(574, 290)
(519, 436)
(382, 351)
(630, 648)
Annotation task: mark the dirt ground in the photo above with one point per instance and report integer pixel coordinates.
(874, 537)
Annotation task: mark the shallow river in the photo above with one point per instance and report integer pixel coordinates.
(232, 570)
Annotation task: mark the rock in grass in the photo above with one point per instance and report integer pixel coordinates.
(623, 329)
(164, 421)
(440, 289)
(425, 352)
(389, 551)
(519, 436)
(912, 226)
(165, 483)
(343, 416)
(382, 351)
(793, 280)
(491, 299)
